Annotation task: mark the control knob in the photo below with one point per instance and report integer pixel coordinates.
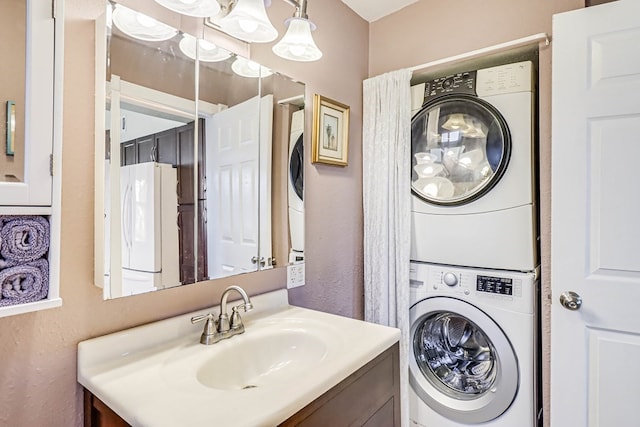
(450, 279)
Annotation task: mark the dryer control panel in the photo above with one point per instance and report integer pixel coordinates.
(454, 83)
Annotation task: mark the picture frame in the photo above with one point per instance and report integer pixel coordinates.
(330, 139)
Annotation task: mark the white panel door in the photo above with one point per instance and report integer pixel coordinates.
(595, 348)
(232, 204)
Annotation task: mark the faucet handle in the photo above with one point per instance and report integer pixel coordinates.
(200, 318)
(236, 321)
(209, 335)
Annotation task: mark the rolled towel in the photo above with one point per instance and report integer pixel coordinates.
(23, 238)
(24, 283)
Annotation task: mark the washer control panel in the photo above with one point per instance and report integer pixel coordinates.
(494, 285)
(510, 290)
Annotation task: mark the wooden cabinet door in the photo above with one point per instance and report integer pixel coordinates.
(145, 149)
(166, 145)
(186, 243)
(128, 153)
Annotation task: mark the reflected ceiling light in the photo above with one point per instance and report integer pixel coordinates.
(248, 21)
(455, 122)
(140, 26)
(209, 52)
(197, 8)
(246, 68)
(297, 43)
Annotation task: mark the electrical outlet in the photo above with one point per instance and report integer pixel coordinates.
(295, 275)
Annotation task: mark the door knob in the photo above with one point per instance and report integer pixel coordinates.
(570, 300)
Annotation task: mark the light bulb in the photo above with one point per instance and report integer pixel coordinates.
(297, 50)
(206, 45)
(145, 20)
(248, 25)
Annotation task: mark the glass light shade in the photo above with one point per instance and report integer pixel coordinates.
(140, 26)
(246, 68)
(297, 43)
(197, 8)
(209, 52)
(248, 21)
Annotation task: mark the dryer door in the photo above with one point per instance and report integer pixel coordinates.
(460, 147)
(463, 365)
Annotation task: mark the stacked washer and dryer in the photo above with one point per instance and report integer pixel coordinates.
(474, 250)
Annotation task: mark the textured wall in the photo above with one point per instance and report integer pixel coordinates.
(38, 350)
(430, 30)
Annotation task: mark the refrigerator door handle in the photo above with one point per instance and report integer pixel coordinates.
(126, 216)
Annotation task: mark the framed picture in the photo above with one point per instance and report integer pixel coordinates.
(330, 140)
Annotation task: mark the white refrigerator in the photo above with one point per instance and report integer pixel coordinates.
(149, 215)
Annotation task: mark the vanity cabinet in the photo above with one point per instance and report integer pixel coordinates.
(370, 397)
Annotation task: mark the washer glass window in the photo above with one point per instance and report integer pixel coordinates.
(460, 146)
(455, 355)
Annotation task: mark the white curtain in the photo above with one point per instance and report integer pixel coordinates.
(386, 153)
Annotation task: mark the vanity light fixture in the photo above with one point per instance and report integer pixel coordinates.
(209, 52)
(247, 68)
(141, 26)
(197, 8)
(297, 43)
(248, 21)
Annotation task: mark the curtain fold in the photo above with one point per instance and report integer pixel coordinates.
(386, 153)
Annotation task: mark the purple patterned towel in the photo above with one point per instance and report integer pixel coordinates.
(24, 283)
(23, 238)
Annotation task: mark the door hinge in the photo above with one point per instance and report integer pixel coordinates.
(51, 164)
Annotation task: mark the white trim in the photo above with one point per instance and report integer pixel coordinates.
(536, 38)
(99, 145)
(12, 310)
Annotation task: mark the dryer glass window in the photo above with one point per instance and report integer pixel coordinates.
(455, 355)
(460, 148)
(296, 167)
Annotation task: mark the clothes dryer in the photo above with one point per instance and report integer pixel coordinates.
(473, 356)
(296, 187)
(473, 176)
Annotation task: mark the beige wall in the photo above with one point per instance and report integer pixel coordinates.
(38, 350)
(430, 30)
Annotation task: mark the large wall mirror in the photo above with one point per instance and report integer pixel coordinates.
(198, 158)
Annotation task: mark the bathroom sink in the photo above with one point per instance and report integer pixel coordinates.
(272, 353)
(159, 375)
(261, 360)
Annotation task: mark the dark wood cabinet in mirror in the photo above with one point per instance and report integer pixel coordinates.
(184, 203)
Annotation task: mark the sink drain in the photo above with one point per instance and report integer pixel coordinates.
(249, 386)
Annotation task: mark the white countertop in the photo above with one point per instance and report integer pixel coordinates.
(145, 374)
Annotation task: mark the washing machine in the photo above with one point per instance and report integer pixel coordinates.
(473, 340)
(473, 175)
(296, 187)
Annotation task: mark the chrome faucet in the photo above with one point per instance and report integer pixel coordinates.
(216, 330)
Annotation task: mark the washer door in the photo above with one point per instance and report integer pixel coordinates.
(460, 147)
(462, 364)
